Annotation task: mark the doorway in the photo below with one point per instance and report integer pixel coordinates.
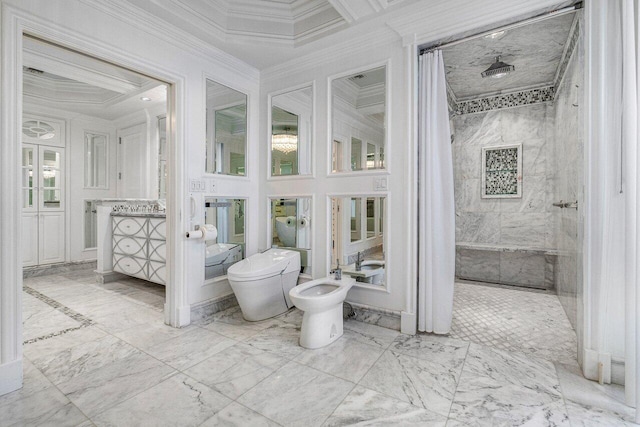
(515, 115)
(94, 136)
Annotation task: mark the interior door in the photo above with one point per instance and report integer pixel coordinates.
(51, 209)
(43, 210)
(133, 162)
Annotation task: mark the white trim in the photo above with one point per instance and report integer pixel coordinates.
(312, 143)
(10, 376)
(408, 323)
(388, 152)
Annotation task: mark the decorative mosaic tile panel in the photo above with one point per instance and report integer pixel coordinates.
(501, 171)
(515, 99)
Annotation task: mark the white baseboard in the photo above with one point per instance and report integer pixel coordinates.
(408, 323)
(591, 366)
(10, 376)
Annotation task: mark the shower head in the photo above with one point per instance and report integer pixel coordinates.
(498, 69)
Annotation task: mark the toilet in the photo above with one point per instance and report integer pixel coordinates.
(261, 283)
(321, 300)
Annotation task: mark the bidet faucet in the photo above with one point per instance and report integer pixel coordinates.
(337, 273)
(358, 263)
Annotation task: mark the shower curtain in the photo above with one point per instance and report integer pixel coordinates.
(436, 210)
(630, 13)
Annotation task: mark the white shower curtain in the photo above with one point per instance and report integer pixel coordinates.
(436, 263)
(630, 14)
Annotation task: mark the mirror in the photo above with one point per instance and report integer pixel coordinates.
(291, 227)
(359, 116)
(226, 130)
(229, 247)
(90, 224)
(291, 130)
(162, 157)
(355, 220)
(357, 230)
(95, 160)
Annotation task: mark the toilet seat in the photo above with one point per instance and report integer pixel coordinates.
(262, 266)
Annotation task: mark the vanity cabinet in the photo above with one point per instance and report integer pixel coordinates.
(139, 246)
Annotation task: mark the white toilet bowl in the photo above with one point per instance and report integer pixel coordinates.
(262, 282)
(321, 300)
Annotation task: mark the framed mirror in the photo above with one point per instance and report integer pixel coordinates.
(226, 130)
(228, 216)
(291, 132)
(357, 238)
(358, 115)
(96, 158)
(291, 227)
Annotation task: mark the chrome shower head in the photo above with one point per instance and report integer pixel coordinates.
(498, 69)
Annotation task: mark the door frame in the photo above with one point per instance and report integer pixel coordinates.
(15, 23)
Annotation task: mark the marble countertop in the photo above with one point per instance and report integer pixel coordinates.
(141, 214)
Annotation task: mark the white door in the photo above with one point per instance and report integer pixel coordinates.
(133, 161)
(43, 219)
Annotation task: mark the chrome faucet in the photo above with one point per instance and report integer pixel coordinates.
(337, 273)
(358, 263)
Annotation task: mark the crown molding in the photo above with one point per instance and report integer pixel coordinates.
(437, 21)
(143, 20)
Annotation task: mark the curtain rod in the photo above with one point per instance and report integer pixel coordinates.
(527, 21)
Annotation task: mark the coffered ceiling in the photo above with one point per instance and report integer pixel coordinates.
(58, 78)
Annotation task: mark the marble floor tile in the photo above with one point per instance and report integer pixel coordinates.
(481, 400)
(293, 316)
(297, 395)
(236, 415)
(34, 381)
(512, 319)
(147, 335)
(83, 358)
(578, 390)
(47, 322)
(177, 401)
(233, 316)
(48, 407)
(235, 332)
(367, 407)
(432, 347)
(421, 382)
(124, 316)
(63, 342)
(189, 348)
(367, 333)
(281, 338)
(345, 358)
(589, 416)
(236, 369)
(512, 368)
(102, 389)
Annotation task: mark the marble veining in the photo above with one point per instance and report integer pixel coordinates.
(238, 373)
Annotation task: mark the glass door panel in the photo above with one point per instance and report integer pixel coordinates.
(27, 179)
(51, 177)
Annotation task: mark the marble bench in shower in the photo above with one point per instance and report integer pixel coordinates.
(508, 265)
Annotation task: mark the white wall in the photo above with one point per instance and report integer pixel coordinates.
(388, 50)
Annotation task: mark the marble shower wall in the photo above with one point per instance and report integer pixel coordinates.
(525, 222)
(568, 171)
